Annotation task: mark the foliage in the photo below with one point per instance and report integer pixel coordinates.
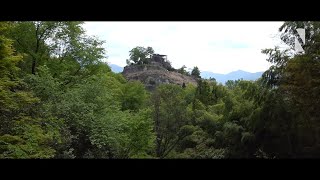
(196, 72)
(183, 71)
(58, 99)
(140, 55)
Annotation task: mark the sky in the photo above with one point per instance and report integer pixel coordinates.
(219, 47)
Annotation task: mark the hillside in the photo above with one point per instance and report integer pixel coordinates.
(154, 74)
(221, 78)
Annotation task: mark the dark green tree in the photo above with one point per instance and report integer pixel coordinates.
(196, 72)
(141, 55)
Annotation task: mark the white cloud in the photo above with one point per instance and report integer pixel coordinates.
(219, 47)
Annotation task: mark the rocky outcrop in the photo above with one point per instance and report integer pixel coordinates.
(155, 73)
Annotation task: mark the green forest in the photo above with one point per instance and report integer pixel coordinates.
(59, 99)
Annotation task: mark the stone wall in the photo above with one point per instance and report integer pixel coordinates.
(145, 67)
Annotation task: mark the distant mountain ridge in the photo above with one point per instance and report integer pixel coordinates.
(115, 68)
(235, 75)
(221, 78)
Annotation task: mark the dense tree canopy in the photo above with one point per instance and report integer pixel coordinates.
(140, 55)
(59, 99)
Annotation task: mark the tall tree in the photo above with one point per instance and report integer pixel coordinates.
(141, 55)
(170, 118)
(61, 45)
(23, 133)
(196, 72)
(293, 79)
